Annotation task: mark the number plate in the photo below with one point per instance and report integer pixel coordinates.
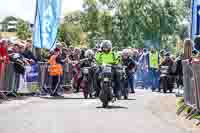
(106, 79)
(108, 69)
(86, 71)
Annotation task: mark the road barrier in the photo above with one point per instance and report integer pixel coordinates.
(191, 78)
(188, 83)
(36, 78)
(67, 75)
(196, 73)
(8, 79)
(29, 82)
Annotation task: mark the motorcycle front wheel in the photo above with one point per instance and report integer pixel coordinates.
(85, 95)
(105, 104)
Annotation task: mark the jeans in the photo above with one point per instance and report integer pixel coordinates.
(147, 79)
(131, 82)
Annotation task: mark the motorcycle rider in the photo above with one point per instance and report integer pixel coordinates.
(108, 57)
(131, 68)
(88, 61)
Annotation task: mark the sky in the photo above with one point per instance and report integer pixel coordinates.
(25, 9)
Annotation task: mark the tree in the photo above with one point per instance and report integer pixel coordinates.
(23, 30)
(131, 22)
(71, 32)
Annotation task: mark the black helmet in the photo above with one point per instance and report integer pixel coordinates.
(106, 44)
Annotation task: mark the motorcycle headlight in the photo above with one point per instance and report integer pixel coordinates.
(106, 79)
(85, 71)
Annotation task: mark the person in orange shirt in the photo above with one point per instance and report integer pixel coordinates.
(55, 72)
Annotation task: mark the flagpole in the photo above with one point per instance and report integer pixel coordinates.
(36, 51)
(192, 18)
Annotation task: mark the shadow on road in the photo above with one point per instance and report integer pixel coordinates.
(128, 99)
(112, 107)
(12, 98)
(65, 98)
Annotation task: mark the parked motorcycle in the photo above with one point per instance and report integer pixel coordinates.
(106, 92)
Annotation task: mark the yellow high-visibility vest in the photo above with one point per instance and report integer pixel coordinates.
(154, 60)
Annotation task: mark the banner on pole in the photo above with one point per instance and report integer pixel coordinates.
(195, 18)
(46, 23)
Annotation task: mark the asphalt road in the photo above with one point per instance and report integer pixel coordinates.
(145, 112)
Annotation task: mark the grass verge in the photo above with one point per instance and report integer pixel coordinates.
(190, 113)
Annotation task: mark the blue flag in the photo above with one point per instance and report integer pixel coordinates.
(46, 23)
(195, 18)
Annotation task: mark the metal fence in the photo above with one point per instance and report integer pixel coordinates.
(191, 78)
(187, 82)
(8, 79)
(196, 73)
(67, 75)
(35, 79)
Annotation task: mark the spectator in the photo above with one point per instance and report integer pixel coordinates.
(147, 81)
(3, 52)
(162, 54)
(135, 55)
(4, 58)
(56, 72)
(194, 53)
(167, 61)
(27, 53)
(188, 44)
(197, 43)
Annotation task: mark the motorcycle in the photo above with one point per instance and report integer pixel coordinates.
(166, 80)
(84, 85)
(106, 92)
(123, 78)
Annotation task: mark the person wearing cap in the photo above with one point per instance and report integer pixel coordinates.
(55, 72)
